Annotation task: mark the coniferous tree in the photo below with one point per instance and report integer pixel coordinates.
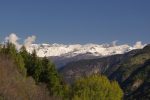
(27, 58)
(50, 76)
(24, 53)
(42, 70)
(32, 65)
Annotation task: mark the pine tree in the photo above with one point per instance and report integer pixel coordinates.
(50, 76)
(42, 70)
(27, 59)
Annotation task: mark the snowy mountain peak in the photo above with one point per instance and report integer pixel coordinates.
(50, 50)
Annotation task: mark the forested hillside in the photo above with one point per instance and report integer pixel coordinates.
(24, 76)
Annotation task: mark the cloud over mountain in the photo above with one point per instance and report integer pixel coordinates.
(73, 49)
(138, 45)
(29, 40)
(13, 38)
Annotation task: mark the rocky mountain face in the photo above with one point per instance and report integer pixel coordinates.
(131, 70)
(105, 65)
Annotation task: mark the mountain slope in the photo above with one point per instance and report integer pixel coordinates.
(134, 75)
(127, 67)
(103, 65)
(131, 70)
(137, 85)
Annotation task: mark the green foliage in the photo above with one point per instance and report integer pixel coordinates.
(50, 75)
(26, 57)
(96, 87)
(42, 70)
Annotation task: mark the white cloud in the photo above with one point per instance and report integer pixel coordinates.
(138, 45)
(29, 41)
(13, 38)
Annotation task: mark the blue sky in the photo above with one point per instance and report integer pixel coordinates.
(77, 21)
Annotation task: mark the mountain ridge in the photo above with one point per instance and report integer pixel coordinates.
(62, 54)
(76, 49)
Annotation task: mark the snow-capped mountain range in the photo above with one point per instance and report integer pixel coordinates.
(62, 54)
(51, 50)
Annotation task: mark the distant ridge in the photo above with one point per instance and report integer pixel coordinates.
(77, 49)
